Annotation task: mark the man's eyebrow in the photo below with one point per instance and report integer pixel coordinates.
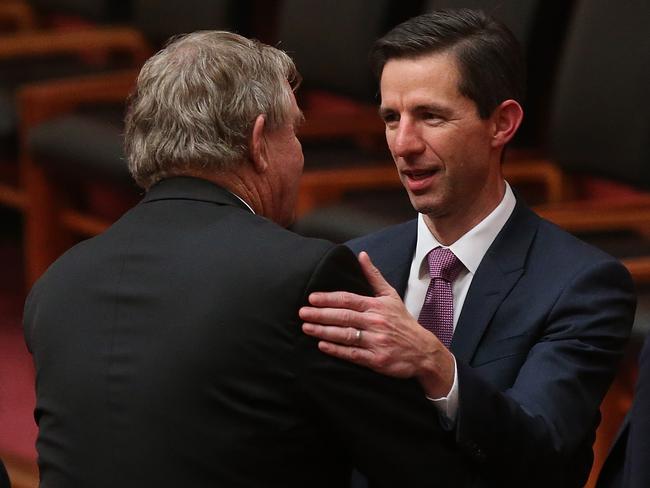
(432, 107)
(425, 107)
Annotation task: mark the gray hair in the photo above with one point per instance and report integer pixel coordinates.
(196, 101)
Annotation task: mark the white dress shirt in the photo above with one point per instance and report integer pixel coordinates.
(469, 249)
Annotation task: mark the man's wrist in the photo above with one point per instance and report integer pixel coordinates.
(437, 373)
(447, 406)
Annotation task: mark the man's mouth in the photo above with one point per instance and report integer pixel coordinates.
(420, 175)
(420, 179)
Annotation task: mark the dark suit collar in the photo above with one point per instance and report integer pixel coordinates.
(508, 251)
(500, 269)
(188, 188)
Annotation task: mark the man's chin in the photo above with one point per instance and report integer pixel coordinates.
(432, 211)
(422, 206)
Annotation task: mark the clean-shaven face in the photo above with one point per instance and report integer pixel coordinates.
(440, 145)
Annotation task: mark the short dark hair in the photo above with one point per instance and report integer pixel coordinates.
(489, 57)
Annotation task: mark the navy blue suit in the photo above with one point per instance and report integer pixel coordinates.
(628, 464)
(542, 329)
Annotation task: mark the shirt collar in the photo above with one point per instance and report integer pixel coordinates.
(243, 201)
(472, 246)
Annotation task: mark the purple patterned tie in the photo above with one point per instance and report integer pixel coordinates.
(437, 314)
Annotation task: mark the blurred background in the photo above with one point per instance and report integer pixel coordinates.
(581, 158)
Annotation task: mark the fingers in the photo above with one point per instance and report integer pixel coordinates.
(338, 299)
(358, 334)
(332, 316)
(362, 357)
(348, 336)
(374, 276)
(352, 301)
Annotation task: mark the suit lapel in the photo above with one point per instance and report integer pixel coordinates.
(499, 271)
(398, 274)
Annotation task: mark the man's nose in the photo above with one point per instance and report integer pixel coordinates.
(408, 140)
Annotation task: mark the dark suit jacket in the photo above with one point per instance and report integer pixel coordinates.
(540, 334)
(628, 463)
(169, 352)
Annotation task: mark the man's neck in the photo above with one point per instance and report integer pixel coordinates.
(237, 183)
(447, 229)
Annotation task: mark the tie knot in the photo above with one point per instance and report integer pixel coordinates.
(443, 264)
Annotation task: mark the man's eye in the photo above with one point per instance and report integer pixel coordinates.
(389, 118)
(432, 118)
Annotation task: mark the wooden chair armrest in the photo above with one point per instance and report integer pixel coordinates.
(45, 202)
(76, 42)
(17, 14)
(319, 187)
(639, 268)
(598, 215)
(323, 186)
(382, 174)
(363, 122)
(12, 196)
(38, 102)
(606, 215)
(23, 472)
(537, 170)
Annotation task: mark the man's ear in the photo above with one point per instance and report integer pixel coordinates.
(258, 150)
(506, 118)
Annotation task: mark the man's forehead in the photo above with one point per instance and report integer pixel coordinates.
(438, 62)
(423, 80)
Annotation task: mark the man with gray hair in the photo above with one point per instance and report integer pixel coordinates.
(168, 350)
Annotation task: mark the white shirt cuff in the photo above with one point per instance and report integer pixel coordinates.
(448, 405)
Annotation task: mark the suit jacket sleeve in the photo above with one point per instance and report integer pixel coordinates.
(529, 434)
(384, 425)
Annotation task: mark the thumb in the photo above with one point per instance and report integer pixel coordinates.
(374, 276)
